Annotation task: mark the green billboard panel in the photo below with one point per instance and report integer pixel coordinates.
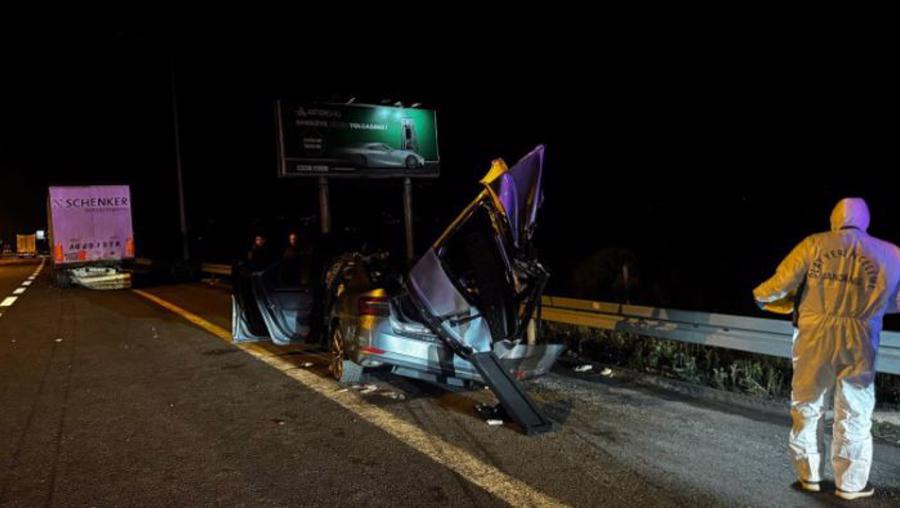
(356, 140)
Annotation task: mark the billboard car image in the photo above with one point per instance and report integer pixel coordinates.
(380, 155)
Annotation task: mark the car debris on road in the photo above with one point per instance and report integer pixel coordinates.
(492, 415)
(365, 389)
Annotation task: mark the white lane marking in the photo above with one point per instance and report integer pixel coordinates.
(9, 300)
(509, 489)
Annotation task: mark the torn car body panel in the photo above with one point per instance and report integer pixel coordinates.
(479, 284)
(483, 271)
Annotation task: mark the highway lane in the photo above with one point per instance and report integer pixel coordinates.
(110, 399)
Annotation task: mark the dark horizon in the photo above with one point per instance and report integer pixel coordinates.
(702, 172)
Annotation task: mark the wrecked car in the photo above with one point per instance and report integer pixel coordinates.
(462, 313)
(460, 317)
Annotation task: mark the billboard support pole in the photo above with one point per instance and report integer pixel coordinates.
(408, 218)
(324, 206)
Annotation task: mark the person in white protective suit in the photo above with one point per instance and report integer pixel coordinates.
(851, 280)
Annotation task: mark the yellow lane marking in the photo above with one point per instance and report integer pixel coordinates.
(489, 478)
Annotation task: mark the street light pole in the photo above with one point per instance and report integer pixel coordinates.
(181, 212)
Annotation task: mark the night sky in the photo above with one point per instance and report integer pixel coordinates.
(700, 164)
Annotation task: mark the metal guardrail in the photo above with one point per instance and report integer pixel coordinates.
(215, 269)
(208, 268)
(754, 335)
(215, 272)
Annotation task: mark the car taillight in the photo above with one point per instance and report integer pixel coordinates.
(373, 306)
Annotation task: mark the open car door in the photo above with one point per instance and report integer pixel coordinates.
(270, 303)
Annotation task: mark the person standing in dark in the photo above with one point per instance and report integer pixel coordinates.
(260, 256)
(292, 251)
(850, 279)
(291, 265)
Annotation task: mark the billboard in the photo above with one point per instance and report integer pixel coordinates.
(90, 223)
(356, 140)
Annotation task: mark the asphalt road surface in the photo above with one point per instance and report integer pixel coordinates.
(110, 399)
(12, 276)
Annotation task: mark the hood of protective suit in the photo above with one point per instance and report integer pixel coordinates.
(850, 212)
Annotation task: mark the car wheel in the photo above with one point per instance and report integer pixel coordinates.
(336, 366)
(411, 162)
